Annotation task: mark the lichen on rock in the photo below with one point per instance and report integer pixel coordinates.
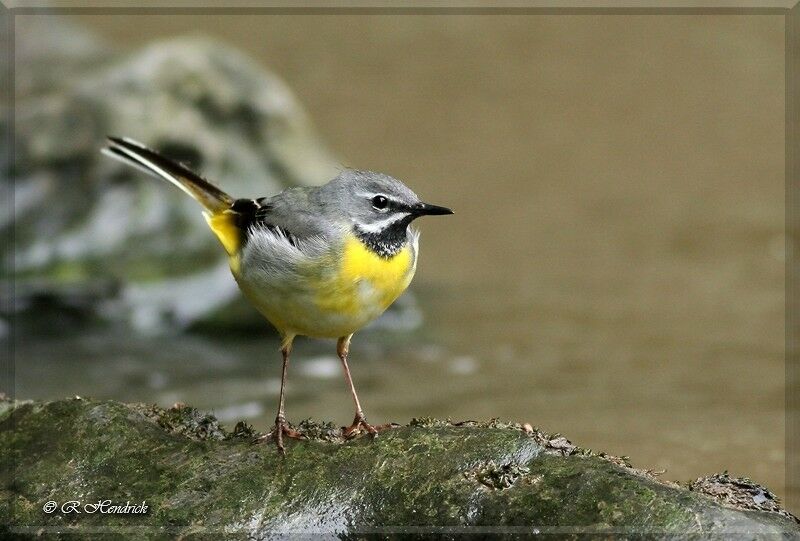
(739, 493)
(496, 476)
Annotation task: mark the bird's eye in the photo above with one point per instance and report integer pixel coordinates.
(380, 202)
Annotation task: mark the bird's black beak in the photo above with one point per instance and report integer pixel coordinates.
(425, 209)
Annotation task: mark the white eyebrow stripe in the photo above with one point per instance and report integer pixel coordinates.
(370, 195)
(380, 225)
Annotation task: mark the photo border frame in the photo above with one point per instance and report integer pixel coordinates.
(790, 9)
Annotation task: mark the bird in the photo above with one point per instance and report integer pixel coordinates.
(315, 261)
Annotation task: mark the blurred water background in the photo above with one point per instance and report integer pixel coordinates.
(615, 267)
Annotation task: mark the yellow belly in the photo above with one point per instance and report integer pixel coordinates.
(366, 283)
(333, 295)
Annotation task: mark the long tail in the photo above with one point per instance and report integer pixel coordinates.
(220, 214)
(149, 161)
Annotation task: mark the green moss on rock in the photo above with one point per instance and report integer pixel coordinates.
(430, 477)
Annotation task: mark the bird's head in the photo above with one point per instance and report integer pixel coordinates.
(379, 205)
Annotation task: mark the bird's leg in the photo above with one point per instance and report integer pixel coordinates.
(281, 426)
(359, 422)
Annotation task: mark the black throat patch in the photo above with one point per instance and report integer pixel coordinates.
(387, 242)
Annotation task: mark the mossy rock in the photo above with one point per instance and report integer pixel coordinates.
(430, 477)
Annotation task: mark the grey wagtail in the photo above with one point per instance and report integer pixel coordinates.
(315, 261)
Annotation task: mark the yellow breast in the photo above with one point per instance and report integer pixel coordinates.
(388, 276)
(367, 283)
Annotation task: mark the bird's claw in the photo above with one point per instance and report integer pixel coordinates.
(282, 428)
(360, 425)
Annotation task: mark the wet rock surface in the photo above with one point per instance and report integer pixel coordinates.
(427, 477)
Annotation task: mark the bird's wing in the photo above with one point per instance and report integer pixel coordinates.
(293, 213)
(285, 235)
